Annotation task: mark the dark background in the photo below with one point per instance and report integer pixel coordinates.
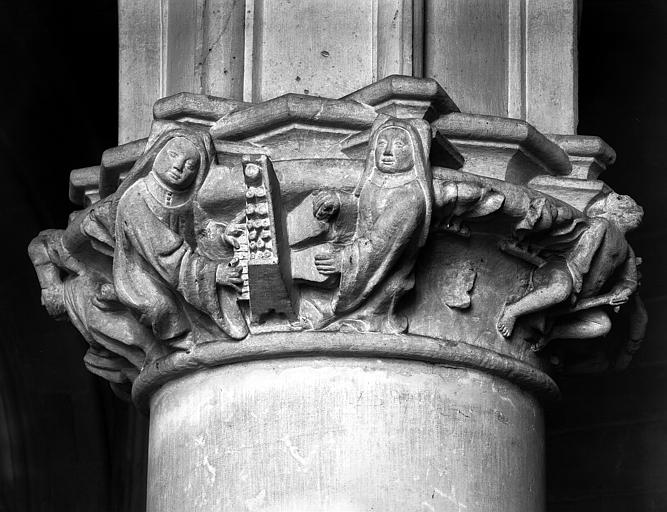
(66, 441)
(67, 444)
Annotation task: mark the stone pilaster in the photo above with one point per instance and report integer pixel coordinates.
(509, 58)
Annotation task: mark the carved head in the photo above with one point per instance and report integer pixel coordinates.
(177, 163)
(620, 209)
(180, 140)
(399, 146)
(394, 152)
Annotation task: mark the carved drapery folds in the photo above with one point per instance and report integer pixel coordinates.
(437, 235)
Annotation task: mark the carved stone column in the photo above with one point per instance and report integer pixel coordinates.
(341, 304)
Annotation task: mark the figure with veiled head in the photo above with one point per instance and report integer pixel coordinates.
(395, 197)
(182, 295)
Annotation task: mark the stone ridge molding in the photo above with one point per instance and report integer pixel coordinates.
(279, 345)
(381, 225)
(465, 129)
(422, 97)
(117, 160)
(590, 155)
(293, 109)
(197, 108)
(83, 185)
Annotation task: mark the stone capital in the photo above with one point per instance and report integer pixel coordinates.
(493, 238)
(385, 234)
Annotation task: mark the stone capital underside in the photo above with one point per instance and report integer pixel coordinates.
(382, 225)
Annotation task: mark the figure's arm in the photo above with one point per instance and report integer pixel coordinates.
(589, 248)
(629, 275)
(48, 272)
(514, 248)
(584, 251)
(627, 283)
(72, 237)
(367, 261)
(364, 255)
(141, 231)
(231, 230)
(638, 324)
(326, 204)
(218, 237)
(455, 201)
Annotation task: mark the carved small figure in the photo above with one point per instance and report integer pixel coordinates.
(395, 197)
(158, 272)
(81, 290)
(598, 258)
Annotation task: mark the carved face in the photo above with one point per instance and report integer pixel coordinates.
(393, 151)
(177, 163)
(625, 210)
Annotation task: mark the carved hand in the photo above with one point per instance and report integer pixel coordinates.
(328, 263)
(229, 275)
(326, 204)
(620, 295)
(230, 234)
(106, 297)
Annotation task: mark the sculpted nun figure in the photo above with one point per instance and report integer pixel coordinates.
(183, 296)
(395, 197)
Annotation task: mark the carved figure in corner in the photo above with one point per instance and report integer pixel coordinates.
(183, 296)
(83, 292)
(598, 259)
(394, 202)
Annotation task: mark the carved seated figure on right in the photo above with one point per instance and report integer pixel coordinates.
(598, 268)
(394, 201)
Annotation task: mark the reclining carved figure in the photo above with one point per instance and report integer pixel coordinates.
(127, 271)
(76, 283)
(595, 268)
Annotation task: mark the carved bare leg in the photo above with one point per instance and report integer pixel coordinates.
(556, 288)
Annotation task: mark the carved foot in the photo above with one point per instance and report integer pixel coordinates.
(506, 322)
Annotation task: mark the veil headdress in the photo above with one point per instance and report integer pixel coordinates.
(419, 132)
(200, 139)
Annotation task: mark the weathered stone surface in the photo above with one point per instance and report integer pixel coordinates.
(507, 58)
(354, 233)
(301, 250)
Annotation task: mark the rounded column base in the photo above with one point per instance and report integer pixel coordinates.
(344, 434)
